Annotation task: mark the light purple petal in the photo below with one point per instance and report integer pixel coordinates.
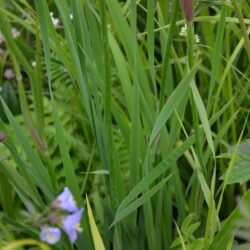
(71, 224)
(65, 201)
(50, 235)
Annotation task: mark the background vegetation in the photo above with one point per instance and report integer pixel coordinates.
(121, 101)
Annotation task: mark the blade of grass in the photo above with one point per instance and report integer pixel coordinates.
(151, 41)
(217, 53)
(166, 58)
(70, 175)
(156, 172)
(203, 116)
(175, 98)
(42, 177)
(139, 201)
(26, 242)
(95, 233)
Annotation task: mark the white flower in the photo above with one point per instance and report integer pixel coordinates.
(197, 38)
(55, 21)
(71, 16)
(33, 63)
(9, 74)
(15, 33)
(183, 31)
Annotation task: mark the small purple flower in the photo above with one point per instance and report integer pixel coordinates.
(65, 201)
(50, 235)
(71, 225)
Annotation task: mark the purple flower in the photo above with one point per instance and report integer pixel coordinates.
(71, 225)
(65, 201)
(50, 235)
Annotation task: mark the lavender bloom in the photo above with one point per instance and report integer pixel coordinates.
(65, 214)
(71, 225)
(50, 235)
(65, 201)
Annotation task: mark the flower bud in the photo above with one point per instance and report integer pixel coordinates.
(188, 9)
(3, 136)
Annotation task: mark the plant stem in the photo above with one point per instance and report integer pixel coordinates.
(170, 36)
(238, 10)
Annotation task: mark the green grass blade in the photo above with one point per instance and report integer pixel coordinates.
(139, 201)
(217, 52)
(172, 102)
(42, 177)
(203, 116)
(156, 172)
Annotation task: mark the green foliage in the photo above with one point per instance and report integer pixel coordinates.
(240, 172)
(121, 105)
(187, 235)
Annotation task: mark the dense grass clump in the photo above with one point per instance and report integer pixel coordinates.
(124, 124)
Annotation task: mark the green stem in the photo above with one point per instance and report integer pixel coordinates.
(38, 90)
(107, 107)
(238, 10)
(170, 36)
(190, 43)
